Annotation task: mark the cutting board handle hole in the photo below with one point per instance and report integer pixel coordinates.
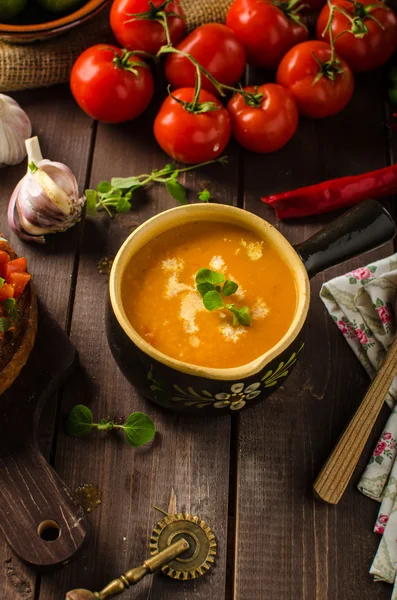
(49, 531)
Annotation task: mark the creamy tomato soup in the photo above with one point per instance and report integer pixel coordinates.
(160, 298)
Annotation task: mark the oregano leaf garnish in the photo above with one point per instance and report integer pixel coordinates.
(229, 288)
(91, 202)
(213, 300)
(80, 421)
(139, 429)
(117, 195)
(176, 190)
(204, 196)
(208, 276)
(209, 286)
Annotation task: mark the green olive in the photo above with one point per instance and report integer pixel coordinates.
(11, 8)
(60, 6)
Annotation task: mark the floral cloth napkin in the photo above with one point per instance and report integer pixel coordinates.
(362, 304)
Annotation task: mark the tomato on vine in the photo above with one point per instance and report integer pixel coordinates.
(139, 24)
(267, 29)
(110, 84)
(216, 48)
(264, 118)
(365, 32)
(192, 127)
(321, 82)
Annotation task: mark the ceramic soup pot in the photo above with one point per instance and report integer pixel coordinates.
(189, 388)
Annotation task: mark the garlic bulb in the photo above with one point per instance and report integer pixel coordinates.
(46, 200)
(15, 127)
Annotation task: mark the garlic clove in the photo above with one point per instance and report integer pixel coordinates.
(46, 200)
(54, 192)
(15, 128)
(18, 228)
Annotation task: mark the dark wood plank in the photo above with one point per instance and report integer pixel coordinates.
(188, 462)
(32, 495)
(51, 265)
(290, 546)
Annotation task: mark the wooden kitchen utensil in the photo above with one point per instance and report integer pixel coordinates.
(182, 546)
(337, 471)
(39, 516)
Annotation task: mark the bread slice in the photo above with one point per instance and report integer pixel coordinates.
(16, 345)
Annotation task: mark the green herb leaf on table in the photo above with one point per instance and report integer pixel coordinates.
(176, 190)
(123, 205)
(105, 425)
(204, 196)
(115, 195)
(125, 183)
(2, 282)
(79, 421)
(104, 187)
(139, 429)
(91, 202)
(168, 168)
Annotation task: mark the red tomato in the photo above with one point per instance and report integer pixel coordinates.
(192, 137)
(265, 29)
(4, 259)
(216, 48)
(269, 125)
(298, 72)
(145, 34)
(110, 84)
(6, 291)
(375, 47)
(15, 266)
(18, 282)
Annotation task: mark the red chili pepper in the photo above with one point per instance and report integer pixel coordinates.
(336, 193)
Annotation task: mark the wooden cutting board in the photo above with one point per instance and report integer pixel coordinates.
(40, 518)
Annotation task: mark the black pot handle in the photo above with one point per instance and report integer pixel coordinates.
(363, 228)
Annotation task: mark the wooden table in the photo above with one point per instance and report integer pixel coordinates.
(250, 477)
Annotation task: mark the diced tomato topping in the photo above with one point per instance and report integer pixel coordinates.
(6, 291)
(4, 259)
(18, 282)
(15, 266)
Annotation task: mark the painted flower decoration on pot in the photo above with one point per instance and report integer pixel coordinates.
(238, 396)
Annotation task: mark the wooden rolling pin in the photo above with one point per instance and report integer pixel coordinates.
(337, 471)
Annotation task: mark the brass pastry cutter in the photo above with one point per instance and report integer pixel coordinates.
(182, 546)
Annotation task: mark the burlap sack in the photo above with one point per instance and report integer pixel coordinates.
(42, 64)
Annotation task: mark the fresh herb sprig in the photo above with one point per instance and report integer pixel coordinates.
(10, 311)
(212, 286)
(204, 195)
(138, 428)
(116, 195)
